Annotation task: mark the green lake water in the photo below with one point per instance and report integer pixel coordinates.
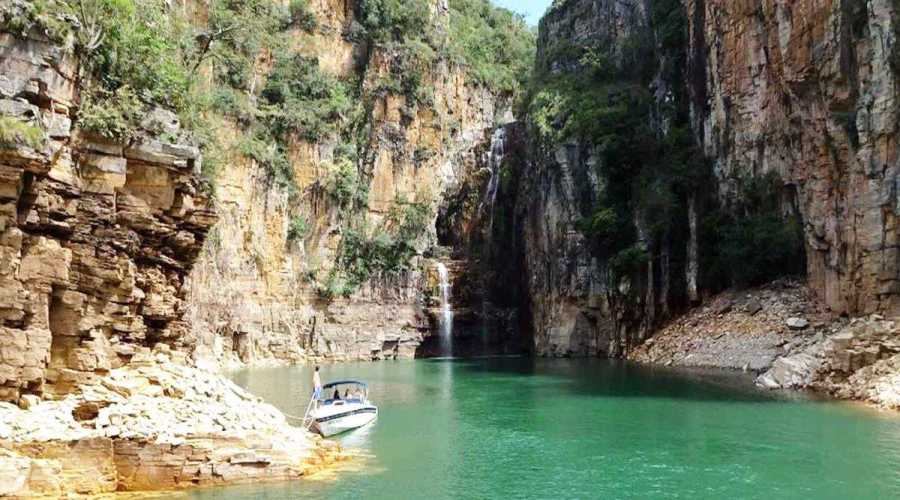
(524, 428)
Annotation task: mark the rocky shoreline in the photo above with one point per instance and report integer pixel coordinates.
(155, 425)
(789, 340)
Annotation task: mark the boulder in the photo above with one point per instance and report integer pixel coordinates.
(790, 372)
(14, 472)
(797, 323)
(724, 307)
(28, 401)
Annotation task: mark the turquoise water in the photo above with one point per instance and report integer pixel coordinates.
(523, 428)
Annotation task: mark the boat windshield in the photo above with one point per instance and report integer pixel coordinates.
(349, 391)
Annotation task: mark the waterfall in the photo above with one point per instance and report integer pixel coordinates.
(446, 318)
(494, 161)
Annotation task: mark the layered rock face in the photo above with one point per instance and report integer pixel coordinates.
(96, 238)
(809, 89)
(256, 292)
(804, 89)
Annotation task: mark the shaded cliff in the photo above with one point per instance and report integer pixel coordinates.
(480, 225)
(606, 196)
(683, 147)
(809, 90)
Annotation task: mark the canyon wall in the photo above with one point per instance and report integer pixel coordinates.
(806, 90)
(257, 294)
(568, 284)
(96, 237)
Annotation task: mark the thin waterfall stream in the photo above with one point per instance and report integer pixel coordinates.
(446, 317)
(494, 162)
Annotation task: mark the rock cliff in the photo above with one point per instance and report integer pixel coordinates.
(800, 93)
(333, 131)
(602, 71)
(808, 89)
(262, 293)
(96, 237)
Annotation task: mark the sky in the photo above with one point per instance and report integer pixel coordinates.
(532, 9)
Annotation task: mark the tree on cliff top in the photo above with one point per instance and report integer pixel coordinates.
(495, 45)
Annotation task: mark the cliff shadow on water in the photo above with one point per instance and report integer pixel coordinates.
(622, 379)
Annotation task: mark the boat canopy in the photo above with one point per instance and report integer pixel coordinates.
(345, 382)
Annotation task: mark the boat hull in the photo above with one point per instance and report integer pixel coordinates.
(334, 423)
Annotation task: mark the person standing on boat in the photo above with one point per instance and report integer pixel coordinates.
(317, 385)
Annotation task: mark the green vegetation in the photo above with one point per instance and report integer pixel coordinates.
(298, 228)
(111, 114)
(343, 184)
(136, 55)
(43, 16)
(302, 16)
(497, 46)
(239, 32)
(300, 100)
(133, 55)
(270, 155)
(14, 132)
(629, 261)
(754, 242)
(136, 45)
(388, 248)
(395, 20)
(494, 44)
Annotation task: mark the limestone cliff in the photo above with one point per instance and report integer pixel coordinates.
(262, 293)
(96, 237)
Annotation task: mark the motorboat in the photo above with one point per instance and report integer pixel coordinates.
(339, 407)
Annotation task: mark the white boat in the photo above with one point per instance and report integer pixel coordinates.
(341, 406)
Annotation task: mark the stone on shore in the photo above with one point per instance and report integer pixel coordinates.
(747, 334)
(150, 426)
(790, 372)
(796, 323)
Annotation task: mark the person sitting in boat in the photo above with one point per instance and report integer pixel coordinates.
(347, 393)
(337, 395)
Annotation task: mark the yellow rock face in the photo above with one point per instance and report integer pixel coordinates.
(254, 293)
(95, 237)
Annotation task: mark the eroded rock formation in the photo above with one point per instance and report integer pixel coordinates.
(154, 424)
(96, 238)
